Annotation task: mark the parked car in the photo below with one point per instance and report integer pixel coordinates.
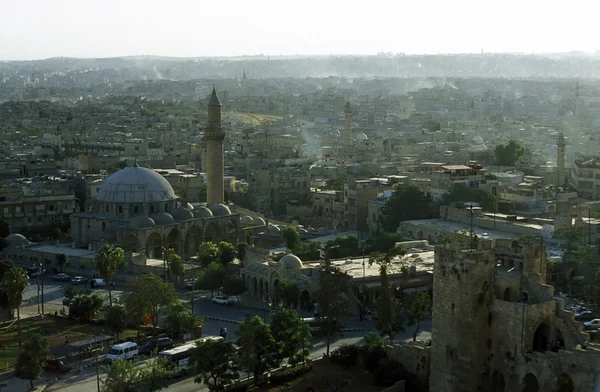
(35, 271)
(593, 325)
(586, 315)
(189, 284)
(78, 280)
(159, 345)
(97, 283)
(222, 300)
(57, 366)
(61, 277)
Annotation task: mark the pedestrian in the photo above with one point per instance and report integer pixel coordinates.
(67, 340)
(360, 315)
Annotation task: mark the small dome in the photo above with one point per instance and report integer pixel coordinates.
(16, 239)
(162, 218)
(189, 206)
(203, 212)
(478, 140)
(274, 230)
(362, 137)
(258, 221)
(290, 262)
(246, 220)
(220, 210)
(142, 222)
(181, 214)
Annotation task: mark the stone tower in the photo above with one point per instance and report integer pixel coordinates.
(347, 136)
(214, 136)
(560, 160)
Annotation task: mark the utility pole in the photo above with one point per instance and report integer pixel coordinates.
(164, 249)
(471, 234)
(42, 279)
(38, 288)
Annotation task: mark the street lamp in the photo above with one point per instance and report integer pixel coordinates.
(41, 270)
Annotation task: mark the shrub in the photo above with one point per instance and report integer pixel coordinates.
(289, 375)
(389, 372)
(346, 355)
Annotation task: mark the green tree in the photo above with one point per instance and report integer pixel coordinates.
(32, 358)
(116, 319)
(333, 302)
(288, 292)
(227, 253)
(388, 313)
(5, 266)
(14, 283)
(179, 319)
(465, 238)
(417, 306)
(575, 247)
(211, 278)
(384, 242)
(62, 260)
(241, 251)
(152, 375)
(464, 193)
(508, 154)
(5, 230)
(215, 364)
(258, 350)
(234, 285)
(336, 184)
(122, 376)
(406, 203)
(176, 266)
(292, 239)
(135, 301)
(159, 295)
(342, 246)
(207, 253)
(292, 336)
(85, 305)
(108, 261)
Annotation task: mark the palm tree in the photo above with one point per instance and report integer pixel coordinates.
(14, 284)
(108, 261)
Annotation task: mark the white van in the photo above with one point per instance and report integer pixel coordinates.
(127, 350)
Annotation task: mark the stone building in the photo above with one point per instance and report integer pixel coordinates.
(498, 327)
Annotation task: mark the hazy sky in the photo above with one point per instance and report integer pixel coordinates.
(33, 29)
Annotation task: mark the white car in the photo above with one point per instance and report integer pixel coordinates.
(78, 280)
(98, 283)
(592, 325)
(223, 300)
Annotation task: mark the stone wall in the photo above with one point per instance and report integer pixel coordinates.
(415, 357)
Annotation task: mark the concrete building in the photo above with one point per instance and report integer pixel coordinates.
(586, 178)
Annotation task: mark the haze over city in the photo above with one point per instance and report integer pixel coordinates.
(37, 29)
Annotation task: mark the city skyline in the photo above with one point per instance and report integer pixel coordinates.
(33, 29)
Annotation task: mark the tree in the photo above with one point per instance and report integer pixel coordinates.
(509, 154)
(122, 376)
(14, 283)
(332, 299)
(135, 301)
(5, 230)
(5, 266)
(211, 278)
(575, 246)
(258, 350)
(234, 285)
(207, 253)
(62, 260)
(227, 253)
(406, 203)
(215, 363)
(416, 306)
(336, 184)
(342, 246)
(116, 319)
(384, 242)
(176, 267)
(153, 375)
(32, 358)
(291, 335)
(292, 239)
(288, 291)
(159, 295)
(465, 238)
(108, 261)
(464, 193)
(85, 305)
(179, 319)
(388, 313)
(241, 251)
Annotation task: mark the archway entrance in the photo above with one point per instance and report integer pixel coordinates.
(275, 291)
(192, 241)
(498, 383)
(232, 235)
(154, 246)
(173, 241)
(507, 295)
(212, 233)
(131, 243)
(530, 383)
(564, 383)
(541, 338)
(305, 301)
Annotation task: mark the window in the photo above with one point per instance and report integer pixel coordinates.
(103, 226)
(135, 209)
(152, 208)
(120, 209)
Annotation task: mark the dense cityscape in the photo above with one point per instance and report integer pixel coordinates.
(391, 222)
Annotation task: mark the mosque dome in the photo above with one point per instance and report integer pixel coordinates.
(16, 239)
(141, 222)
(181, 214)
(163, 218)
(274, 230)
(203, 212)
(220, 210)
(135, 185)
(189, 206)
(361, 137)
(290, 262)
(246, 220)
(478, 140)
(258, 221)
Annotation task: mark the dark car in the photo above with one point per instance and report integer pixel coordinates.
(586, 315)
(158, 345)
(56, 366)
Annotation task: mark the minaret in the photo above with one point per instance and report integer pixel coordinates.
(560, 160)
(214, 136)
(347, 136)
(577, 100)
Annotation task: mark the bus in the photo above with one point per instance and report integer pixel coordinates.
(178, 358)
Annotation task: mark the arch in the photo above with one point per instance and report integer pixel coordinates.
(506, 296)
(530, 383)
(564, 383)
(558, 340)
(254, 286)
(275, 290)
(212, 233)
(193, 239)
(542, 337)
(174, 240)
(154, 246)
(266, 288)
(305, 300)
(231, 232)
(498, 383)
(131, 243)
(261, 291)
